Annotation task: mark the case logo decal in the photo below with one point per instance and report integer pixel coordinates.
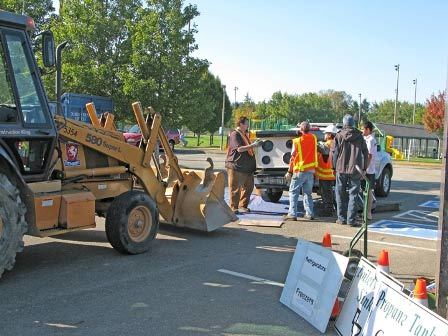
(71, 150)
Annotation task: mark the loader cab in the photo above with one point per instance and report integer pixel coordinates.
(27, 129)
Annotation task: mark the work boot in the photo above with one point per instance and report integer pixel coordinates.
(243, 210)
(356, 223)
(289, 218)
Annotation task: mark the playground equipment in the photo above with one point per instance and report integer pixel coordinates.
(396, 154)
(386, 141)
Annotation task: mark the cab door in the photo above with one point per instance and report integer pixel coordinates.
(27, 129)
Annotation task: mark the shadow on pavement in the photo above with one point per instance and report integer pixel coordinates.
(174, 289)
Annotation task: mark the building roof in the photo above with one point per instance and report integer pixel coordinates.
(406, 131)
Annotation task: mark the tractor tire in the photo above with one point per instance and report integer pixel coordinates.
(12, 223)
(132, 222)
(271, 195)
(382, 188)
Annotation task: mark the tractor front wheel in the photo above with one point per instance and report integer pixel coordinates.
(12, 223)
(132, 222)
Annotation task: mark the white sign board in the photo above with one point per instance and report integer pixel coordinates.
(375, 305)
(313, 283)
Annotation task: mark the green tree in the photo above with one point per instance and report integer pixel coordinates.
(384, 112)
(99, 51)
(162, 72)
(215, 94)
(341, 103)
(205, 106)
(245, 109)
(40, 10)
(314, 108)
(326, 106)
(354, 110)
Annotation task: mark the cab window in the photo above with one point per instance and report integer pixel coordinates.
(8, 109)
(26, 80)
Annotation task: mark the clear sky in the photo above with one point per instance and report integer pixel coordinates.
(299, 46)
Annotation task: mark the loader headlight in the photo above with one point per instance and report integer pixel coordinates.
(287, 157)
(267, 145)
(266, 159)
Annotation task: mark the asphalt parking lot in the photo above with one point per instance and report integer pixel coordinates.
(227, 282)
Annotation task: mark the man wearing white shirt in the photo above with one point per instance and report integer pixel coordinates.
(369, 137)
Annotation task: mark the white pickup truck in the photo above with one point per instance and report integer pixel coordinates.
(274, 155)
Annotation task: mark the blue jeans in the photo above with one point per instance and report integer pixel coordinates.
(300, 180)
(346, 202)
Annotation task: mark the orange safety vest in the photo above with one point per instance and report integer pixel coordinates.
(306, 152)
(324, 170)
(246, 141)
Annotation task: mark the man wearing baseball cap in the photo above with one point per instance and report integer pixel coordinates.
(301, 172)
(349, 150)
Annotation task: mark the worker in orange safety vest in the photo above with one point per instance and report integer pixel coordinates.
(324, 171)
(301, 171)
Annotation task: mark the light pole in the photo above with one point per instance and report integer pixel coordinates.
(359, 112)
(415, 99)
(222, 116)
(397, 69)
(235, 89)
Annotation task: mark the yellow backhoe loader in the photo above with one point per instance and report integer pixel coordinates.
(56, 174)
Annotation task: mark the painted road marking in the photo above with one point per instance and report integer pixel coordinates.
(431, 204)
(250, 277)
(389, 244)
(418, 215)
(405, 229)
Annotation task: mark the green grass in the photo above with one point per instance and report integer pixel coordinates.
(204, 141)
(421, 160)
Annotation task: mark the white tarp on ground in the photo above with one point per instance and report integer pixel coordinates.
(263, 213)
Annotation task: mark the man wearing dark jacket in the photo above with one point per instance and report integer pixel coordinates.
(349, 150)
(240, 164)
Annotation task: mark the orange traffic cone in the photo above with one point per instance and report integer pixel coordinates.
(420, 293)
(336, 310)
(326, 241)
(383, 261)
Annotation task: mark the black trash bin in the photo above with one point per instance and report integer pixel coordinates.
(434, 153)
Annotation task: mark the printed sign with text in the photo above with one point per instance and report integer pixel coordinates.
(313, 283)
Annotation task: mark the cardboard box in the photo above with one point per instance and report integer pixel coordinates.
(77, 210)
(45, 186)
(47, 210)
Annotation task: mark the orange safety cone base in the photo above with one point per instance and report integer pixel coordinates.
(326, 241)
(420, 292)
(336, 310)
(383, 259)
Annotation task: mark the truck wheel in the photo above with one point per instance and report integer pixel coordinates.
(12, 223)
(271, 195)
(171, 143)
(382, 188)
(132, 222)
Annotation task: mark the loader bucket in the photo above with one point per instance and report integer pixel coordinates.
(200, 202)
